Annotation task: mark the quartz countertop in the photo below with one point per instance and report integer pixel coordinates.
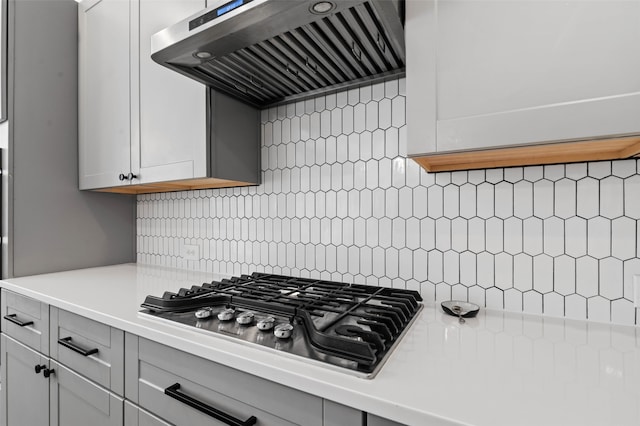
(499, 368)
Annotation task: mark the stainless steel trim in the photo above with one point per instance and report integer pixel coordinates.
(320, 364)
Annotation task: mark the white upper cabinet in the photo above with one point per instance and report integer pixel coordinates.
(169, 110)
(140, 123)
(104, 114)
(492, 74)
(146, 128)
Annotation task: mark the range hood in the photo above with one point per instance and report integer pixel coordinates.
(267, 52)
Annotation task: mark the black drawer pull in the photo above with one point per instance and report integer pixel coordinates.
(12, 318)
(66, 342)
(172, 391)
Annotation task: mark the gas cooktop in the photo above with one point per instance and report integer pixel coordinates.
(350, 326)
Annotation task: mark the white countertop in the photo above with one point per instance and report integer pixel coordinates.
(499, 368)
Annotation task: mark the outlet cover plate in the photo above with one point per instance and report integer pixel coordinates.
(190, 252)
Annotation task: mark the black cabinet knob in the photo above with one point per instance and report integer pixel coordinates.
(47, 372)
(129, 176)
(39, 368)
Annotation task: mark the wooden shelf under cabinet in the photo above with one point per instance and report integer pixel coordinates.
(177, 185)
(567, 152)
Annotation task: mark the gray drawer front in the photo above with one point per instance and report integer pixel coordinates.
(379, 421)
(105, 367)
(136, 416)
(75, 401)
(340, 415)
(25, 309)
(234, 392)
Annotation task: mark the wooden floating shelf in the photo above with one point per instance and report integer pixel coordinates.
(176, 185)
(566, 152)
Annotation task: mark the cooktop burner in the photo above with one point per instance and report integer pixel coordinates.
(346, 325)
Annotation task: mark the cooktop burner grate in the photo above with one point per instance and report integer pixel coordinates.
(350, 325)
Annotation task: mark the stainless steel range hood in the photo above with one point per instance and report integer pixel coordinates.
(266, 52)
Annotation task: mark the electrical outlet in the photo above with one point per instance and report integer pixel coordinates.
(190, 252)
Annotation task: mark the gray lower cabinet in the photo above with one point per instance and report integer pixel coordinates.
(91, 365)
(335, 414)
(25, 393)
(88, 347)
(187, 390)
(340, 415)
(75, 401)
(379, 421)
(24, 398)
(26, 320)
(38, 391)
(170, 386)
(136, 416)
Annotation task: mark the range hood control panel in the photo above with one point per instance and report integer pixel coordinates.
(216, 13)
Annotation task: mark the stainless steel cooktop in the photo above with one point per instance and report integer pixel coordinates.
(348, 326)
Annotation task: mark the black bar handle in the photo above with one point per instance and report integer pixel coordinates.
(66, 342)
(12, 318)
(172, 391)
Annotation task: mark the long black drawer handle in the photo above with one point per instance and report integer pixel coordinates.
(12, 318)
(66, 342)
(172, 391)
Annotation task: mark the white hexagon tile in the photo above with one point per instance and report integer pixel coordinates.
(339, 201)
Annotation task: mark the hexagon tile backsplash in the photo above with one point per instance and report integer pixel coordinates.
(339, 201)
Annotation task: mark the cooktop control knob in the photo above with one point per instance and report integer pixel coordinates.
(266, 324)
(203, 313)
(283, 331)
(245, 318)
(226, 315)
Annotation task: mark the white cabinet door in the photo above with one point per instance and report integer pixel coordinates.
(168, 109)
(488, 74)
(104, 114)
